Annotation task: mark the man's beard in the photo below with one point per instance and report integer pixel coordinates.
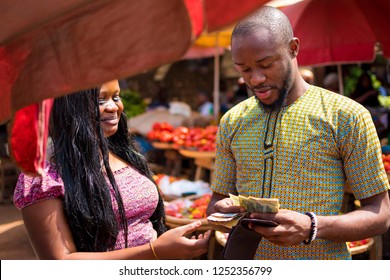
(283, 93)
(278, 104)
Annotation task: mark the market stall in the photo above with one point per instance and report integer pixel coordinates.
(194, 142)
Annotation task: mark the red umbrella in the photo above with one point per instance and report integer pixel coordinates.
(220, 13)
(340, 31)
(51, 48)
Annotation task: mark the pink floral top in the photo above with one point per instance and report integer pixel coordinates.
(139, 194)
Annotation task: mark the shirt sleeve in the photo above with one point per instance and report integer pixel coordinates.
(362, 156)
(224, 180)
(30, 190)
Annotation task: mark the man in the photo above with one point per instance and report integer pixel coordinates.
(331, 82)
(298, 143)
(206, 107)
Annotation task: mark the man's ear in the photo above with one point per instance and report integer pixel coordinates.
(294, 47)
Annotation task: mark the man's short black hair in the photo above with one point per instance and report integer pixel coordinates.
(267, 18)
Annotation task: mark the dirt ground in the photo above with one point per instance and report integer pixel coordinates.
(14, 242)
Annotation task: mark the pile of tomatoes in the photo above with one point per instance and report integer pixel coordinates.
(353, 244)
(190, 209)
(386, 162)
(198, 208)
(161, 132)
(195, 138)
(192, 138)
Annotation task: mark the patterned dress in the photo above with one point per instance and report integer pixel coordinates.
(302, 155)
(140, 198)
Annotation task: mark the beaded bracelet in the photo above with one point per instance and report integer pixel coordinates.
(154, 253)
(313, 228)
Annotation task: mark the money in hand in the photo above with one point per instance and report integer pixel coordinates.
(235, 199)
(227, 220)
(256, 204)
(251, 205)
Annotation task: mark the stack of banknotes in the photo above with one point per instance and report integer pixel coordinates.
(256, 204)
(251, 205)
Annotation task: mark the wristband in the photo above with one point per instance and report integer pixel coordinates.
(313, 228)
(154, 253)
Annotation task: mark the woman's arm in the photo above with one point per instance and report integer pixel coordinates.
(51, 238)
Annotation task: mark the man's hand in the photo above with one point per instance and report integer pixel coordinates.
(293, 227)
(223, 204)
(226, 206)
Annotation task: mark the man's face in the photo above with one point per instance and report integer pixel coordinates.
(265, 66)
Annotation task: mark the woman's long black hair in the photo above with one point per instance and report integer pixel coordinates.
(79, 147)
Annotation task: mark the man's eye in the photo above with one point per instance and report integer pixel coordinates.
(102, 101)
(116, 98)
(245, 70)
(267, 65)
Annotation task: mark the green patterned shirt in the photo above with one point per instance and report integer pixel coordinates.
(302, 155)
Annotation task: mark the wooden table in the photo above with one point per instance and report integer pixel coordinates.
(203, 161)
(174, 160)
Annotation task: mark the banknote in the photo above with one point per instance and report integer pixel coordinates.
(227, 220)
(224, 216)
(256, 204)
(251, 205)
(247, 204)
(234, 198)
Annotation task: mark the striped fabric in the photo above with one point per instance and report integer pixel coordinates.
(302, 155)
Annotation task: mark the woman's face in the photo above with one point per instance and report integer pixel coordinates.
(110, 107)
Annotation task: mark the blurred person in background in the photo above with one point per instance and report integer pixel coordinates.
(367, 95)
(364, 92)
(307, 75)
(331, 82)
(241, 92)
(205, 106)
(160, 100)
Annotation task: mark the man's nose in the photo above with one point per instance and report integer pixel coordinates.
(257, 78)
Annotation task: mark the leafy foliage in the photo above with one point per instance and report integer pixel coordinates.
(353, 77)
(351, 80)
(133, 103)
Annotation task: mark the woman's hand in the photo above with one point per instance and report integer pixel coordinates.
(174, 244)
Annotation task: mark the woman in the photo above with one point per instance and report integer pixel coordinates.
(98, 199)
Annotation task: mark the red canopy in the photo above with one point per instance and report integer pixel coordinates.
(334, 31)
(51, 48)
(63, 46)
